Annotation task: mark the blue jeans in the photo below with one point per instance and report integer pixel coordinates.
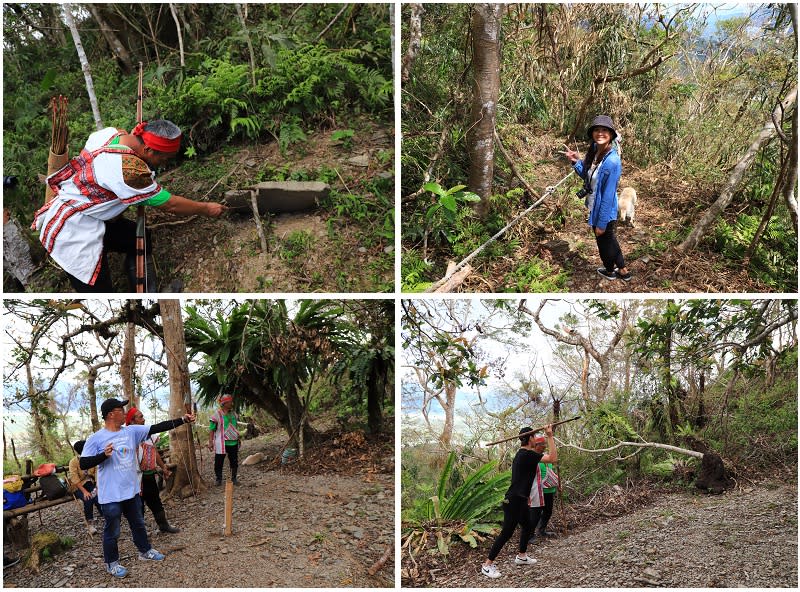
(112, 512)
(88, 504)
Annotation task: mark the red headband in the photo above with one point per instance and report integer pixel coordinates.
(224, 399)
(538, 439)
(155, 142)
(129, 415)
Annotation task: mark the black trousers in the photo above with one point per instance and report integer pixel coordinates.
(515, 511)
(232, 452)
(610, 252)
(541, 516)
(120, 237)
(151, 495)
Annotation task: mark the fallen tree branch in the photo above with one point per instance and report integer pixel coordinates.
(510, 162)
(257, 218)
(455, 279)
(376, 567)
(686, 451)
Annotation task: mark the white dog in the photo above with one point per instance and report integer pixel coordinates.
(626, 204)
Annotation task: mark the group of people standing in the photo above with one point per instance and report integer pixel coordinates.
(529, 499)
(115, 473)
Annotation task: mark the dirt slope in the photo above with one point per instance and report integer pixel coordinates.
(557, 233)
(291, 529)
(747, 537)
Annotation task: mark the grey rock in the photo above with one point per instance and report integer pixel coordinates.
(362, 160)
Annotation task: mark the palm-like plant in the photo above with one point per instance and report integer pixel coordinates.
(462, 511)
(263, 355)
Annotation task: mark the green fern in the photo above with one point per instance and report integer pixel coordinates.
(290, 132)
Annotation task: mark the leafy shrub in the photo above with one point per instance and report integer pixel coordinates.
(313, 81)
(535, 276)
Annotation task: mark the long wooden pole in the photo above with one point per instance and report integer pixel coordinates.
(228, 507)
(140, 219)
(539, 429)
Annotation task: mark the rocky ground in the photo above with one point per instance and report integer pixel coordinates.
(322, 522)
(743, 538)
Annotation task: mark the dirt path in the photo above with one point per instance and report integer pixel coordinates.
(290, 530)
(743, 538)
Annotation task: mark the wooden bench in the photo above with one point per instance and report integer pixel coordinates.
(15, 522)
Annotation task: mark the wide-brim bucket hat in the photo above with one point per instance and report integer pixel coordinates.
(601, 121)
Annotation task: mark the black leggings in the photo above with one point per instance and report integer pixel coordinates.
(120, 237)
(515, 511)
(610, 252)
(541, 516)
(232, 452)
(150, 495)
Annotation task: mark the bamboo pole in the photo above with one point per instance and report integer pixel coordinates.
(539, 429)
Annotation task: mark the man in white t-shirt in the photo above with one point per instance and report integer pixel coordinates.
(113, 451)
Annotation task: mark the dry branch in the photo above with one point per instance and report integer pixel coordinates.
(726, 195)
(257, 218)
(382, 561)
(452, 278)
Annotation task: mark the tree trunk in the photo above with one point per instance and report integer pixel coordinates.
(187, 480)
(87, 71)
(485, 93)
(726, 196)
(790, 183)
(243, 24)
(178, 27)
(92, 399)
(376, 386)
(127, 364)
(446, 437)
(668, 383)
(39, 430)
(414, 41)
(111, 38)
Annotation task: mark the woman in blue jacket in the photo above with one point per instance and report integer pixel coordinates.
(601, 169)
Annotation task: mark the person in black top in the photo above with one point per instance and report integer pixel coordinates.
(515, 504)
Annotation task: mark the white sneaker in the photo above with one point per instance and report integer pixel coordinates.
(490, 571)
(527, 560)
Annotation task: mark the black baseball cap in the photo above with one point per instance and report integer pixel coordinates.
(109, 405)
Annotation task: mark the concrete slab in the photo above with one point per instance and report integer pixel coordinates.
(277, 197)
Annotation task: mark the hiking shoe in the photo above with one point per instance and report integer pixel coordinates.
(92, 529)
(527, 560)
(152, 555)
(235, 481)
(116, 570)
(545, 533)
(219, 482)
(490, 571)
(609, 275)
(625, 277)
